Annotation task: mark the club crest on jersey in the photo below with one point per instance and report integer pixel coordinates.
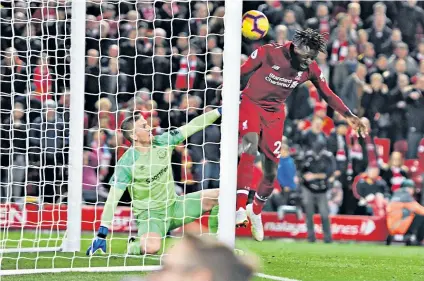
(162, 153)
(299, 75)
(275, 67)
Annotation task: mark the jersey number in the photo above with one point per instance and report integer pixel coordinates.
(277, 145)
(254, 54)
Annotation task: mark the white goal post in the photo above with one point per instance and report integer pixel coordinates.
(30, 228)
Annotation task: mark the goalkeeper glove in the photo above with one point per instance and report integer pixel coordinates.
(99, 242)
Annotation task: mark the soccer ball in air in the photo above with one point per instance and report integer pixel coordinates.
(255, 25)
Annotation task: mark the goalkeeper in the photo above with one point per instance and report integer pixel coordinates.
(145, 169)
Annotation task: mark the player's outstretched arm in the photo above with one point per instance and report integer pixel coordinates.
(99, 242)
(199, 123)
(334, 101)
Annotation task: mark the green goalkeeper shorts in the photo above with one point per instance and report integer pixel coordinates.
(185, 209)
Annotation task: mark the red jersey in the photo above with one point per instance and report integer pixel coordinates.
(274, 78)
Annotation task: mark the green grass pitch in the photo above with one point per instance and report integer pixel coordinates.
(295, 260)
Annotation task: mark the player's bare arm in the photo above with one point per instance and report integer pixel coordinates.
(307, 45)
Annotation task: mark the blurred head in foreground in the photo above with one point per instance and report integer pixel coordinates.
(199, 259)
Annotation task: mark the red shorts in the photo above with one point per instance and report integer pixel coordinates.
(268, 125)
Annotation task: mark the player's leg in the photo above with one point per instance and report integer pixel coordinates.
(270, 144)
(264, 191)
(249, 129)
(152, 228)
(192, 206)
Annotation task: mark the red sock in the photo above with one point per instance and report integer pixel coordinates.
(264, 191)
(244, 179)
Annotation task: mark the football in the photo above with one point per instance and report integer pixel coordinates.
(255, 25)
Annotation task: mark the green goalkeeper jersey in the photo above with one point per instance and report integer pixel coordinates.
(148, 176)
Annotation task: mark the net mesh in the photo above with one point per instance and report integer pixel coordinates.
(162, 59)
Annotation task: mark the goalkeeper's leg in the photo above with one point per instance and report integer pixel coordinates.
(152, 228)
(192, 206)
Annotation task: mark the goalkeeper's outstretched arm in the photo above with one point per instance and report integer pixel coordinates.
(199, 123)
(109, 209)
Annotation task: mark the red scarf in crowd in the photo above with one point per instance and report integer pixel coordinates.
(42, 82)
(187, 74)
(396, 179)
(324, 27)
(341, 152)
(338, 51)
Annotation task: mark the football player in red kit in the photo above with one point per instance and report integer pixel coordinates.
(276, 69)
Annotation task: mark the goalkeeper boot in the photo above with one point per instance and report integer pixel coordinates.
(133, 248)
(241, 218)
(255, 223)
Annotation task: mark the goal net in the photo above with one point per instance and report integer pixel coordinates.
(70, 73)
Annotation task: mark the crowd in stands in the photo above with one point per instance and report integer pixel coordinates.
(165, 60)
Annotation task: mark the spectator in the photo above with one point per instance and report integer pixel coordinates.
(319, 165)
(354, 12)
(335, 198)
(418, 54)
(13, 79)
(92, 191)
(362, 150)
(400, 68)
(408, 17)
(343, 69)
(338, 146)
(401, 52)
(362, 41)
(92, 83)
(273, 11)
(114, 83)
(290, 22)
(205, 150)
(415, 113)
(405, 216)
(396, 106)
(286, 177)
(187, 261)
(313, 134)
(368, 56)
(320, 111)
(380, 34)
(47, 141)
(339, 46)
(379, 9)
(381, 67)
(371, 191)
(354, 88)
(13, 135)
(374, 103)
(418, 74)
(394, 172)
(322, 21)
(281, 34)
(395, 40)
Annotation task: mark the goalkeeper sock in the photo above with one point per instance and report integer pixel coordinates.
(244, 179)
(213, 220)
(264, 191)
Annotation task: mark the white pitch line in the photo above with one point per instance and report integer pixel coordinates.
(272, 277)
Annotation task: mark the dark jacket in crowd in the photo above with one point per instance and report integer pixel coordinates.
(316, 163)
